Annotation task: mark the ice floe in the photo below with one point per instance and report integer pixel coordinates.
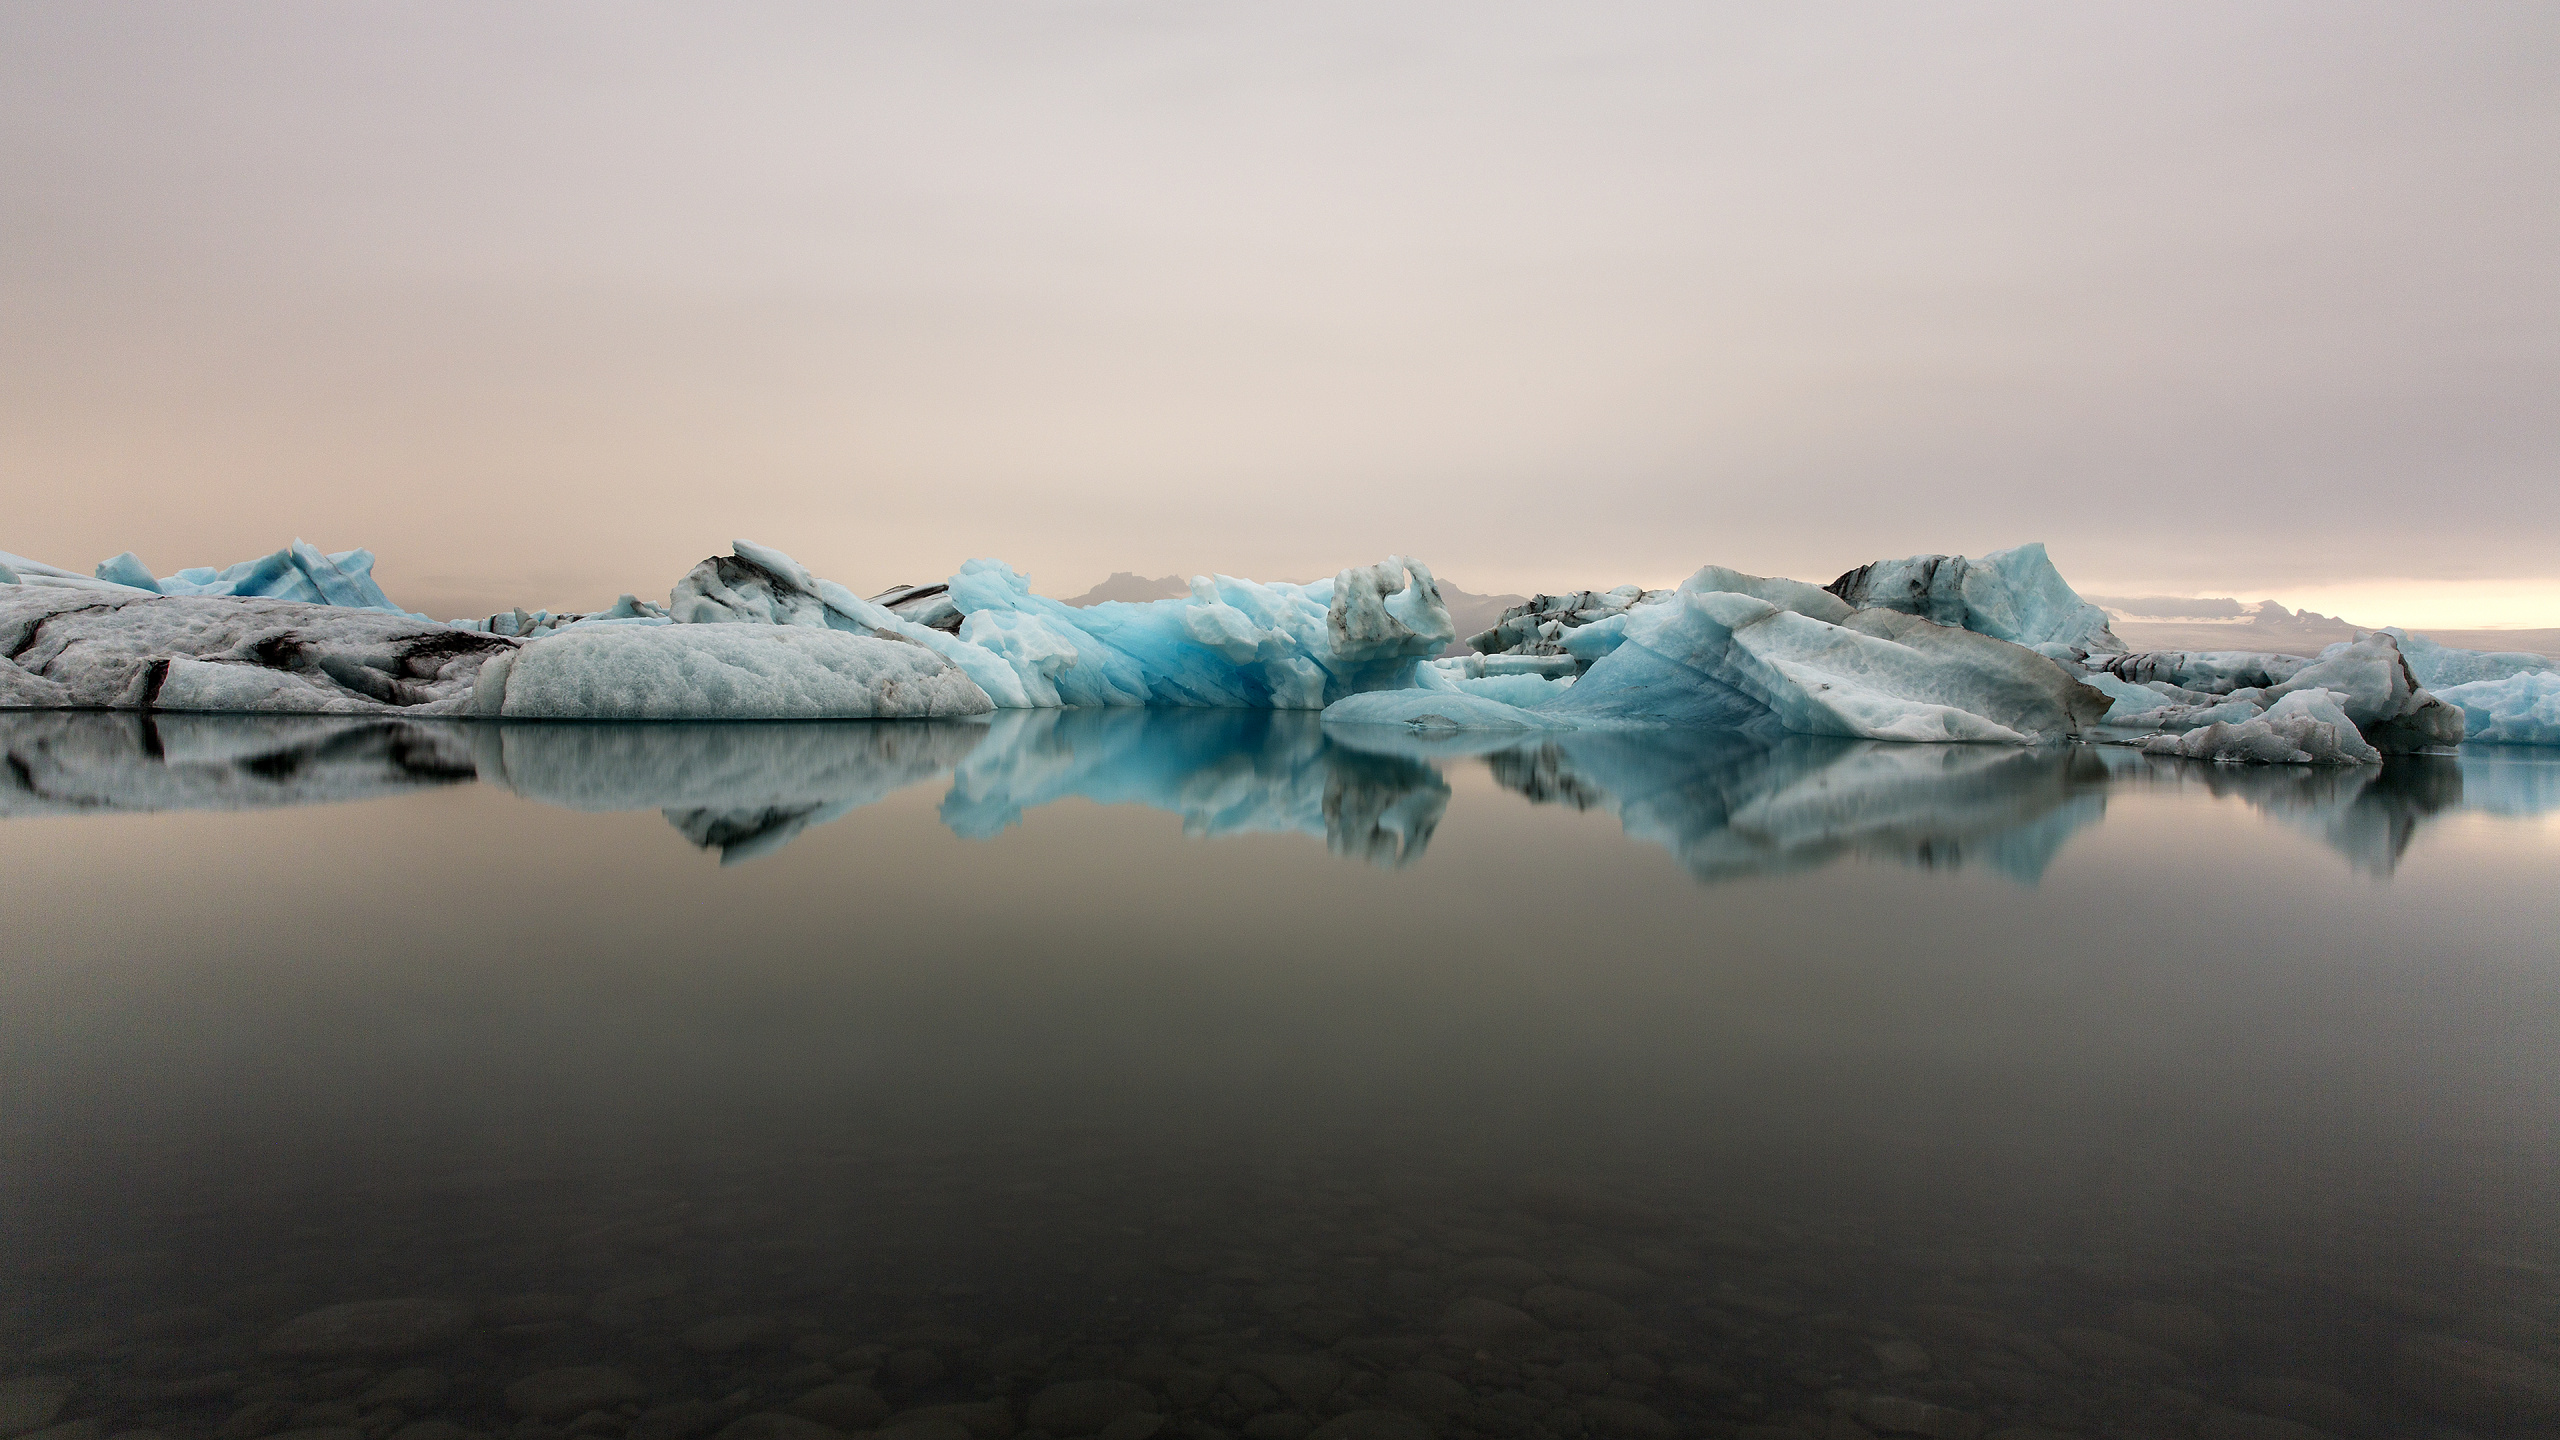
(676, 672)
(2520, 709)
(2352, 703)
(135, 650)
(1997, 649)
(2015, 595)
(1725, 660)
(2440, 667)
(297, 572)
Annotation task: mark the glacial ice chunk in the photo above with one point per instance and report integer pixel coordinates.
(133, 650)
(1229, 643)
(1725, 660)
(1546, 625)
(2015, 595)
(2520, 709)
(729, 672)
(1437, 710)
(37, 575)
(2305, 727)
(756, 585)
(2439, 667)
(2371, 681)
(1797, 595)
(2378, 693)
(297, 572)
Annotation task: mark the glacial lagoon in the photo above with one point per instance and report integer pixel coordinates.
(1213, 1075)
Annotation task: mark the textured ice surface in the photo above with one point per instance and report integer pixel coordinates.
(1800, 596)
(70, 762)
(2367, 679)
(297, 572)
(1724, 660)
(2306, 727)
(1437, 710)
(2015, 595)
(2521, 709)
(725, 672)
(2439, 667)
(37, 575)
(1548, 625)
(1229, 643)
(1523, 686)
(130, 649)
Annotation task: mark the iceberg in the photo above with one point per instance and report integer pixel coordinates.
(1732, 651)
(2306, 727)
(677, 672)
(36, 575)
(2520, 709)
(297, 572)
(130, 649)
(2015, 595)
(2440, 667)
(2367, 681)
(1548, 625)
(1231, 642)
(1437, 710)
(1724, 660)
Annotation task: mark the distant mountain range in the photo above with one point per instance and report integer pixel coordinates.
(2179, 622)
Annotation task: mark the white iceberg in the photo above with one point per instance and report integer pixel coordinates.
(675, 672)
(2520, 709)
(131, 649)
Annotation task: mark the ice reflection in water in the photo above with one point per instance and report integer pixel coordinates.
(986, 1115)
(1726, 806)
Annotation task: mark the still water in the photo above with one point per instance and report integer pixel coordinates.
(1207, 1076)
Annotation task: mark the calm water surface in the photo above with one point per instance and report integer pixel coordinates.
(1202, 1075)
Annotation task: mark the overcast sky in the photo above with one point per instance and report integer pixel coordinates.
(547, 302)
